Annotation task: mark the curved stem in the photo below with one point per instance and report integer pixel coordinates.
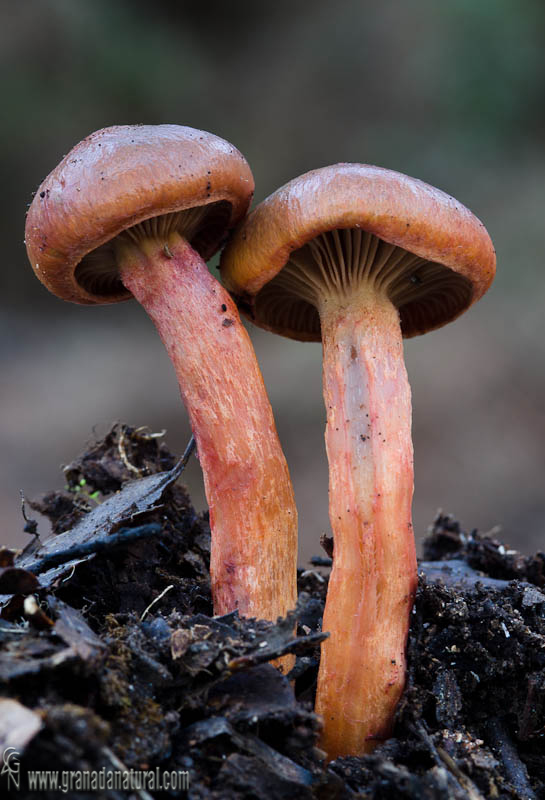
(373, 580)
(253, 518)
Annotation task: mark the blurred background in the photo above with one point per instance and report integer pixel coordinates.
(451, 92)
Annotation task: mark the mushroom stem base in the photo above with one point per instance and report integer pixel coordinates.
(373, 580)
(253, 518)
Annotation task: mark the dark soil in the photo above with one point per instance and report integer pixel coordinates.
(96, 678)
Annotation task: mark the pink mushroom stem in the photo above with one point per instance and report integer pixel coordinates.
(252, 510)
(373, 580)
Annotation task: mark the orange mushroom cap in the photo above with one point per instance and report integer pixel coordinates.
(399, 210)
(117, 178)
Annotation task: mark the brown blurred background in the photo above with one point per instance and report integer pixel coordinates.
(452, 93)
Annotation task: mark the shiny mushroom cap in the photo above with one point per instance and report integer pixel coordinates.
(334, 227)
(160, 177)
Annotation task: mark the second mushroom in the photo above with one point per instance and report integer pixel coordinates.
(360, 256)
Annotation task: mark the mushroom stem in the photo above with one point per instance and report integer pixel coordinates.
(373, 580)
(253, 518)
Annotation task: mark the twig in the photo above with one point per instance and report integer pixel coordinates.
(182, 463)
(267, 653)
(142, 794)
(307, 572)
(159, 597)
(442, 758)
(143, 432)
(321, 561)
(122, 537)
(123, 454)
(514, 768)
(31, 526)
(464, 780)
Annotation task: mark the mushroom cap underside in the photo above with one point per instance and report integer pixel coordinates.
(453, 252)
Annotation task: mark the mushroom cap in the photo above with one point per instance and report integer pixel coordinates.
(399, 210)
(118, 177)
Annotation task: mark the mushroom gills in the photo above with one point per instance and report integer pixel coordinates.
(98, 271)
(341, 260)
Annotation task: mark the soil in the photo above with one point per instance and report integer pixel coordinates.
(121, 665)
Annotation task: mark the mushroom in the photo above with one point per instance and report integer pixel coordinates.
(134, 211)
(360, 256)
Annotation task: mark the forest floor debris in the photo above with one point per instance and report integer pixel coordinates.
(112, 659)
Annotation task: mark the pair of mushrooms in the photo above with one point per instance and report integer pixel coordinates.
(355, 255)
